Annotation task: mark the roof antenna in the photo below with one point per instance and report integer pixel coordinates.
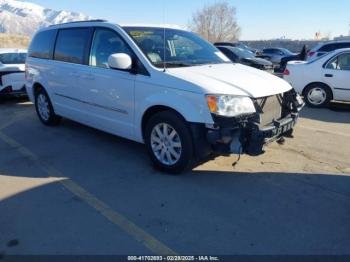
(164, 37)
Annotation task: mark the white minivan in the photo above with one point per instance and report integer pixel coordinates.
(161, 86)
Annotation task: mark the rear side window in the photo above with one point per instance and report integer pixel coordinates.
(335, 46)
(42, 45)
(341, 62)
(344, 45)
(72, 45)
(329, 48)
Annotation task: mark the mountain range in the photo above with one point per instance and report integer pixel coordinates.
(25, 18)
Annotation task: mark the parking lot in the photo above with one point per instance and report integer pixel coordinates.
(75, 190)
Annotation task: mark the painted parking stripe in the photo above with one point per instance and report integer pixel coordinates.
(17, 117)
(113, 216)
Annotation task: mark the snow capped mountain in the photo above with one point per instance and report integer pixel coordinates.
(17, 17)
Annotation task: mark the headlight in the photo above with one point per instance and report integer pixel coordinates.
(230, 106)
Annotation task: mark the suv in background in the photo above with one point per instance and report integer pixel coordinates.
(326, 47)
(12, 65)
(161, 86)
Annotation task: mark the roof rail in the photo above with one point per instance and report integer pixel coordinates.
(84, 21)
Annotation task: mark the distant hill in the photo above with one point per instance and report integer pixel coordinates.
(14, 41)
(24, 18)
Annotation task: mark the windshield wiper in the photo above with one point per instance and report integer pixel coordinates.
(174, 64)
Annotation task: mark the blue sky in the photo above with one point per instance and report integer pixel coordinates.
(297, 19)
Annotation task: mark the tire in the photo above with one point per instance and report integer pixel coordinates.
(45, 110)
(318, 95)
(179, 146)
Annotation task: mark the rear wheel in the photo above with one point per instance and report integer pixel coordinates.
(45, 110)
(169, 142)
(318, 95)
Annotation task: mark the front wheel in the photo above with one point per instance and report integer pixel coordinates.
(317, 95)
(169, 142)
(45, 110)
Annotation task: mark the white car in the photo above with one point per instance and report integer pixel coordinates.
(12, 68)
(321, 80)
(181, 97)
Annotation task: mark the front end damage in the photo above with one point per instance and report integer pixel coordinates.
(274, 119)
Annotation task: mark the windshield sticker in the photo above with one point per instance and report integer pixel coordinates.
(138, 34)
(222, 56)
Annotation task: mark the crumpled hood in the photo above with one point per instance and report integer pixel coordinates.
(231, 79)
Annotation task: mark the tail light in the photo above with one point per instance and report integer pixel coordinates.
(312, 53)
(286, 72)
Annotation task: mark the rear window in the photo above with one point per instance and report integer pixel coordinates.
(13, 58)
(42, 45)
(72, 45)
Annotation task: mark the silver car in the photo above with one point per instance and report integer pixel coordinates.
(275, 55)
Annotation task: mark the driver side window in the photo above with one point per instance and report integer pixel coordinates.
(106, 43)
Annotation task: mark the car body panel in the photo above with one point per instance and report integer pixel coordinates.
(12, 75)
(302, 74)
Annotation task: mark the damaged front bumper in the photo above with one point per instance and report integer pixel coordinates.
(245, 135)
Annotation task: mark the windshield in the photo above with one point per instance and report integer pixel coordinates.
(182, 48)
(286, 51)
(244, 53)
(13, 58)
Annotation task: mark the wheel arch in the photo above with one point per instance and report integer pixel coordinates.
(318, 83)
(154, 110)
(37, 87)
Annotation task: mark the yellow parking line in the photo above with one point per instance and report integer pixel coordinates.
(113, 216)
(15, 119)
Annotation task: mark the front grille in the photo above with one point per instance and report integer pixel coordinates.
(270, 109)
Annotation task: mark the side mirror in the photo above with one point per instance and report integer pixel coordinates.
(120, 61)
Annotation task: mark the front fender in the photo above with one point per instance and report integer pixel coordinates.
(191, 106)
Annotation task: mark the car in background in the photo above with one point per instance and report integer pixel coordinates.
(12, 72)
(242, 56)
(240, 45)
(321, 80)
(326, 47)
(275, 55)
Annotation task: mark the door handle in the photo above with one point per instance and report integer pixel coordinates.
(328, 75)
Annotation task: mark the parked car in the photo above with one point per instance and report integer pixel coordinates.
(12, 63)
(242, 56)
(181, 97)
(326, 47)
(322, 80)
(240, 45)
(275, 55)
